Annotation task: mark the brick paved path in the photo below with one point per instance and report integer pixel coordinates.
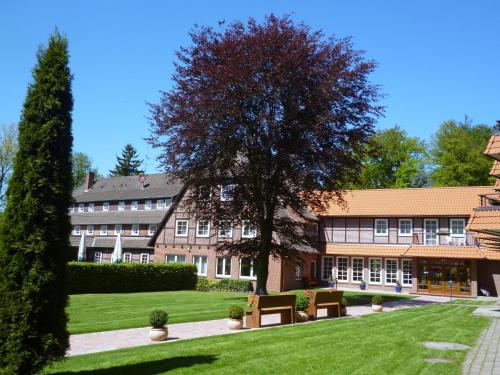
(484, 358)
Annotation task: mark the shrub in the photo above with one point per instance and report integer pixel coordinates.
(301, 303)
(231, 285)
(236, 312)
(202, 284)
(158, 318)
(377, 300)
(345, 302)
(129, 277)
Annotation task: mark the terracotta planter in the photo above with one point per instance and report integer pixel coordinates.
(235, 323)
(377, 308)
(158, 334)
(301, 316)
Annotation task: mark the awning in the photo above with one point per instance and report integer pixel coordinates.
(366, 250)
(455, 252)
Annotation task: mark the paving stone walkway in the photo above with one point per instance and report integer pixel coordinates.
(110, 340)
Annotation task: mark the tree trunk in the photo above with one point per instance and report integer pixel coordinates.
(262, 269)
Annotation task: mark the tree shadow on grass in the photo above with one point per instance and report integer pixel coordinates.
(150, 367)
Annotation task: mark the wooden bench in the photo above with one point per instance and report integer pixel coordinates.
(283, 304)
(321, 299)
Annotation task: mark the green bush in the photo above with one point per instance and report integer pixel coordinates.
(158, 318)
(225, 285)
(377, 300)
(129, 277)
(236, 312)
(301, 303)
(202, 284)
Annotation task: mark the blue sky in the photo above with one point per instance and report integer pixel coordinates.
(438, 60)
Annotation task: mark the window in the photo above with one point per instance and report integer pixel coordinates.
(342, 266)
(174, 258)
(226, 192)
(118, 229)
(248, 230)
(381, 227)
(72, 208)
(76, 229)
(181, 228)
(127, 257)
(391, 271)
(246, 269)
(201, 265)
(225, 229)
(104, 230)
(405, 227)
(134, 206)
(152, 229)
(135, 230)
(90, 229)
(90, 207)
(430, 231)
(81, 207)
(202, 228)
(148, 204)
(105, 206)
(144, 257)
(375, 270)
(121, 206)
(457, 227)
(223, 267)
(327, 268)
(299, 270)
(97, 257)
(406, 268)
(357, 269)
(160, 204)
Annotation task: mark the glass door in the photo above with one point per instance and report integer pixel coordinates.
(436, 282)
(430, 231)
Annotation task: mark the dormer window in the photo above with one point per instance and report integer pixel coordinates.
(72, 208)
(90, 229)
(105, 206)
(160, 204)
(81, 207)
(134, 206)
(90, 207)
(135, 230)
(121, 206)
(148, 204)
(104, 230)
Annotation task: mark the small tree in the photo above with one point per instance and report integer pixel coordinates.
(128, 164)
(82, 164)
(36, 227)
(274, 110)
(8, 148)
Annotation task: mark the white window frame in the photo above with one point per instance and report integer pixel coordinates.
(98, 257)
(346, 273)
(252, 234)
(177, 222)
(90, 229)
(425, 231)
(127, 257)
(384, 234)
(370, 271)
(152, 229)
(135, 232)
(403, 261)
(225, 260)
(90, 207)
(454, 235)
(77, 229)
(81, 207)
(386, 273)
(252, 276)
(103, 230)
(230, 234)
(332, 261)
(223, 194)
(144, 255)
(198, 261)
(299, 266)
(115, 231)
(148, 204)
(121, 206)
(400, 234)
(105, 206)
(353, 278)
(203, 235)
(134, 205)
(160, 204)
(176, 258)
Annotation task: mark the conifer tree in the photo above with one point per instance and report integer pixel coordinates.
(128, 164)
(36, 227)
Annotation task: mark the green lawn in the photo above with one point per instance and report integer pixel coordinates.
(105, 312)
(386, 343)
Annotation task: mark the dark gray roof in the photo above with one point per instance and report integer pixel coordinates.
(158, 185)
(109, 242)
(75, 241)
(118, 217)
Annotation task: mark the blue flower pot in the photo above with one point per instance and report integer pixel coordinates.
(362, 286)
(331, 284)
(398, 289)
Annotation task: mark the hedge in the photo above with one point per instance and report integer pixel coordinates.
(129, 277)
(224, 285)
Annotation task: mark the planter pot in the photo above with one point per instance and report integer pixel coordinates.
(158, 334)
(301, 316)
(362, 286)
(343, 311)
(234, 323)
(398, 289)
(331, 284)
(377, 308)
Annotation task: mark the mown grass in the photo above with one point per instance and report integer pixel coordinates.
(386, 343)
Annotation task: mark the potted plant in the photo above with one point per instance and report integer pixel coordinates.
(331, 281)
(235, 317)
(158, 320)
(301, 307)
(377, 303)
(343, 307)
(398, 287)
(362, 284)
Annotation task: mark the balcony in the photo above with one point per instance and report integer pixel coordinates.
(443, 239)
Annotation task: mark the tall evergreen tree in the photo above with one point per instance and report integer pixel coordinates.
(128, 164)
(35, 232)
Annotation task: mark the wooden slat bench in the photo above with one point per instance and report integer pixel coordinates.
(283, 304)
(321, 299)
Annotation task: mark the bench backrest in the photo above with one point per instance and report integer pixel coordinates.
(325, 296)
(262, 302)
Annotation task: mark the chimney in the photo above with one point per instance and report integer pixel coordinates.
(89, 180)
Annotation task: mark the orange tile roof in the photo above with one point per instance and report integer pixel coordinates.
(493, 147)
(491, 254)
(497, 184)
(495, 169)
(410, 202)
(366, 250)
(464, 252)
(486, 221)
